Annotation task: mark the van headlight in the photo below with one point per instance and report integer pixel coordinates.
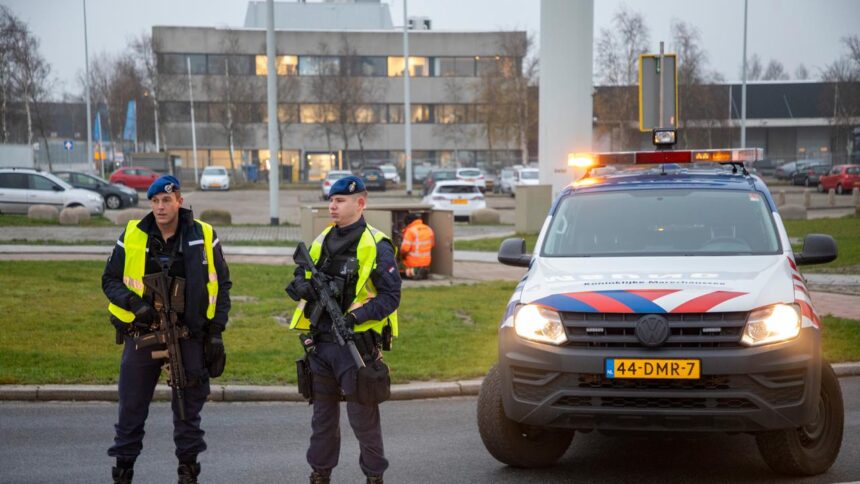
(540, 324)
(772, 324)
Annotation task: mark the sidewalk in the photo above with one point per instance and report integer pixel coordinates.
(275, 393)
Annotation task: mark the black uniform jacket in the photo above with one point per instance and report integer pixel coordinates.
(196, 275)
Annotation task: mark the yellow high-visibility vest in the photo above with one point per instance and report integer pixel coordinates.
(364, 289)
(134, 245)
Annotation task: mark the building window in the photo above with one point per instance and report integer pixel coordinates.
(177, 63)
(455, 67)
(496, 66)
(455, 113)
(418, 66)
(316, 65)
(366, 66)
(285, 65)
(287, 113)
(239, 65)
(395, 113)
(422, 113)
(318, 113)
(176, 112)
(369, 113)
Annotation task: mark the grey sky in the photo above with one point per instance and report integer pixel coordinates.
(792, 31)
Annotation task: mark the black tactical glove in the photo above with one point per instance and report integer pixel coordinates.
(350, 320)
(144, 314)
(216, 358)
(301, 288)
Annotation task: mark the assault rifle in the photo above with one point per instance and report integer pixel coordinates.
(325, 289)
(169, 300)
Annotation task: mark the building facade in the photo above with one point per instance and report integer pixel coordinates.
(340, 95)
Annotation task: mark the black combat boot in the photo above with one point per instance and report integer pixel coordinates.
(188, 473)
(317, 478)
(122, 475)
(374, 479)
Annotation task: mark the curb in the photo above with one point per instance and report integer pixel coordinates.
(227, 393)
(263, 393)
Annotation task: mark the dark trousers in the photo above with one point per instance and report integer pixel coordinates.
(330, 365)
(138, 376)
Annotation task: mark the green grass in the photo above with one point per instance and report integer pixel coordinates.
(492, 244)
(841, 339)
(23, 221)
(55, 327)
(845, 230)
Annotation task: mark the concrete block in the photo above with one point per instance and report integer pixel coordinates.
(792, 212)
(43, 212)
(855, 197)
(83, 214)
(807, 198)
(70, 216)
(217, 217)
(533, 202)
(416, 390)
(124, 216)
(470, 387)
(485, 216)
(831, 198)
(780, 198)
(18, 392)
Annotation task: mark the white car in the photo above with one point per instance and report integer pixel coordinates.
(390, 173)
(526, 176)
(473, 175)
(507, 180)
(461, 197)
(22, 188)
(332, 177)
(215, 178)
(662, 300)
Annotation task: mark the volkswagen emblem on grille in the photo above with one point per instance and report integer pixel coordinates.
(652, 330)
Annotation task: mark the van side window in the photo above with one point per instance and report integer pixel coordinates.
(13, 180)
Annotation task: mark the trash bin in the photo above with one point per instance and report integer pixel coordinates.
(251, 172)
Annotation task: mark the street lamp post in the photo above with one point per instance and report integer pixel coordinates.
(407, 104)
(87, 88)
(744, 85)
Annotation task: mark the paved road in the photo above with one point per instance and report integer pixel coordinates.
(427, 441)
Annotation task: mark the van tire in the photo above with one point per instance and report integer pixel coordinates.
(809, 450)
(510, 442)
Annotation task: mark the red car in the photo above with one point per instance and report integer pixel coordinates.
(137, 178)
(842, 178)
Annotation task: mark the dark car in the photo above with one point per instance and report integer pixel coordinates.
(785, 171)
(764, 167)
(116, 196)
(374, 178)
(809, 175)
(438, 175)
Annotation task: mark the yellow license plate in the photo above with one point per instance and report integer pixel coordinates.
(459, 201)
(653, 368)
(215, 185)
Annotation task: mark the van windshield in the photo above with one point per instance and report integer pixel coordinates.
(676, 222)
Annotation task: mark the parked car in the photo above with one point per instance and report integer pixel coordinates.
(138, 178)
(764, 167)
(374, 178)
(215, 178)
(809, 175)
(507, 180)
(330, 178)
(22, 188)
(461, 197)
(437, 176)
(842, 178)
(526, 176)
(785, 170)
(390, 172)
(420, 172)
(116, 196)
(473, 175)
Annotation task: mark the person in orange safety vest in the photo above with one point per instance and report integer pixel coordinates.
(418, 242)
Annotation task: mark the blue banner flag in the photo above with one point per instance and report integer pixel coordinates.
(97, 130)
(130, 132)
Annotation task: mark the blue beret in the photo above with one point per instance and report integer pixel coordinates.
(347, 186)
(163, 184)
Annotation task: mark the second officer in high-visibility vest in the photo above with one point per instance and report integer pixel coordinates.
(167, 239)
(361, 262)
(416, 247)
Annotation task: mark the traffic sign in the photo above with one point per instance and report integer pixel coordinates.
(651, 68)
(68, 145)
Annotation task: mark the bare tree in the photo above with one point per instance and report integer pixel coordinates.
(323, 91)
(8, 32)
(754, 68)
(453, 126)
(144, 48)
(843, 97)
(616, 58)
(28, 71)
(774, 71)
(801, 73)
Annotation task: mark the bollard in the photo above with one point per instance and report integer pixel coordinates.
(780, 198)
(831, 198)
(855, 198)
(807, 198)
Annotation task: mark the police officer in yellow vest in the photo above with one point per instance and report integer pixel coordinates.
(361, 261)
(168, 238)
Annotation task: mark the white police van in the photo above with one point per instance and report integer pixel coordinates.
(663, 297)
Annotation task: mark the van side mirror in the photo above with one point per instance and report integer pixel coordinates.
(817, 249)
(512, 252)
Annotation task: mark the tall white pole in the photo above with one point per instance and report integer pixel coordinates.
(272, 98)
(744, 85)
(155, 112)
(87, 88)
(407, 103)
(193, 129)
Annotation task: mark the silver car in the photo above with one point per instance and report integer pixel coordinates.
(21, 189)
